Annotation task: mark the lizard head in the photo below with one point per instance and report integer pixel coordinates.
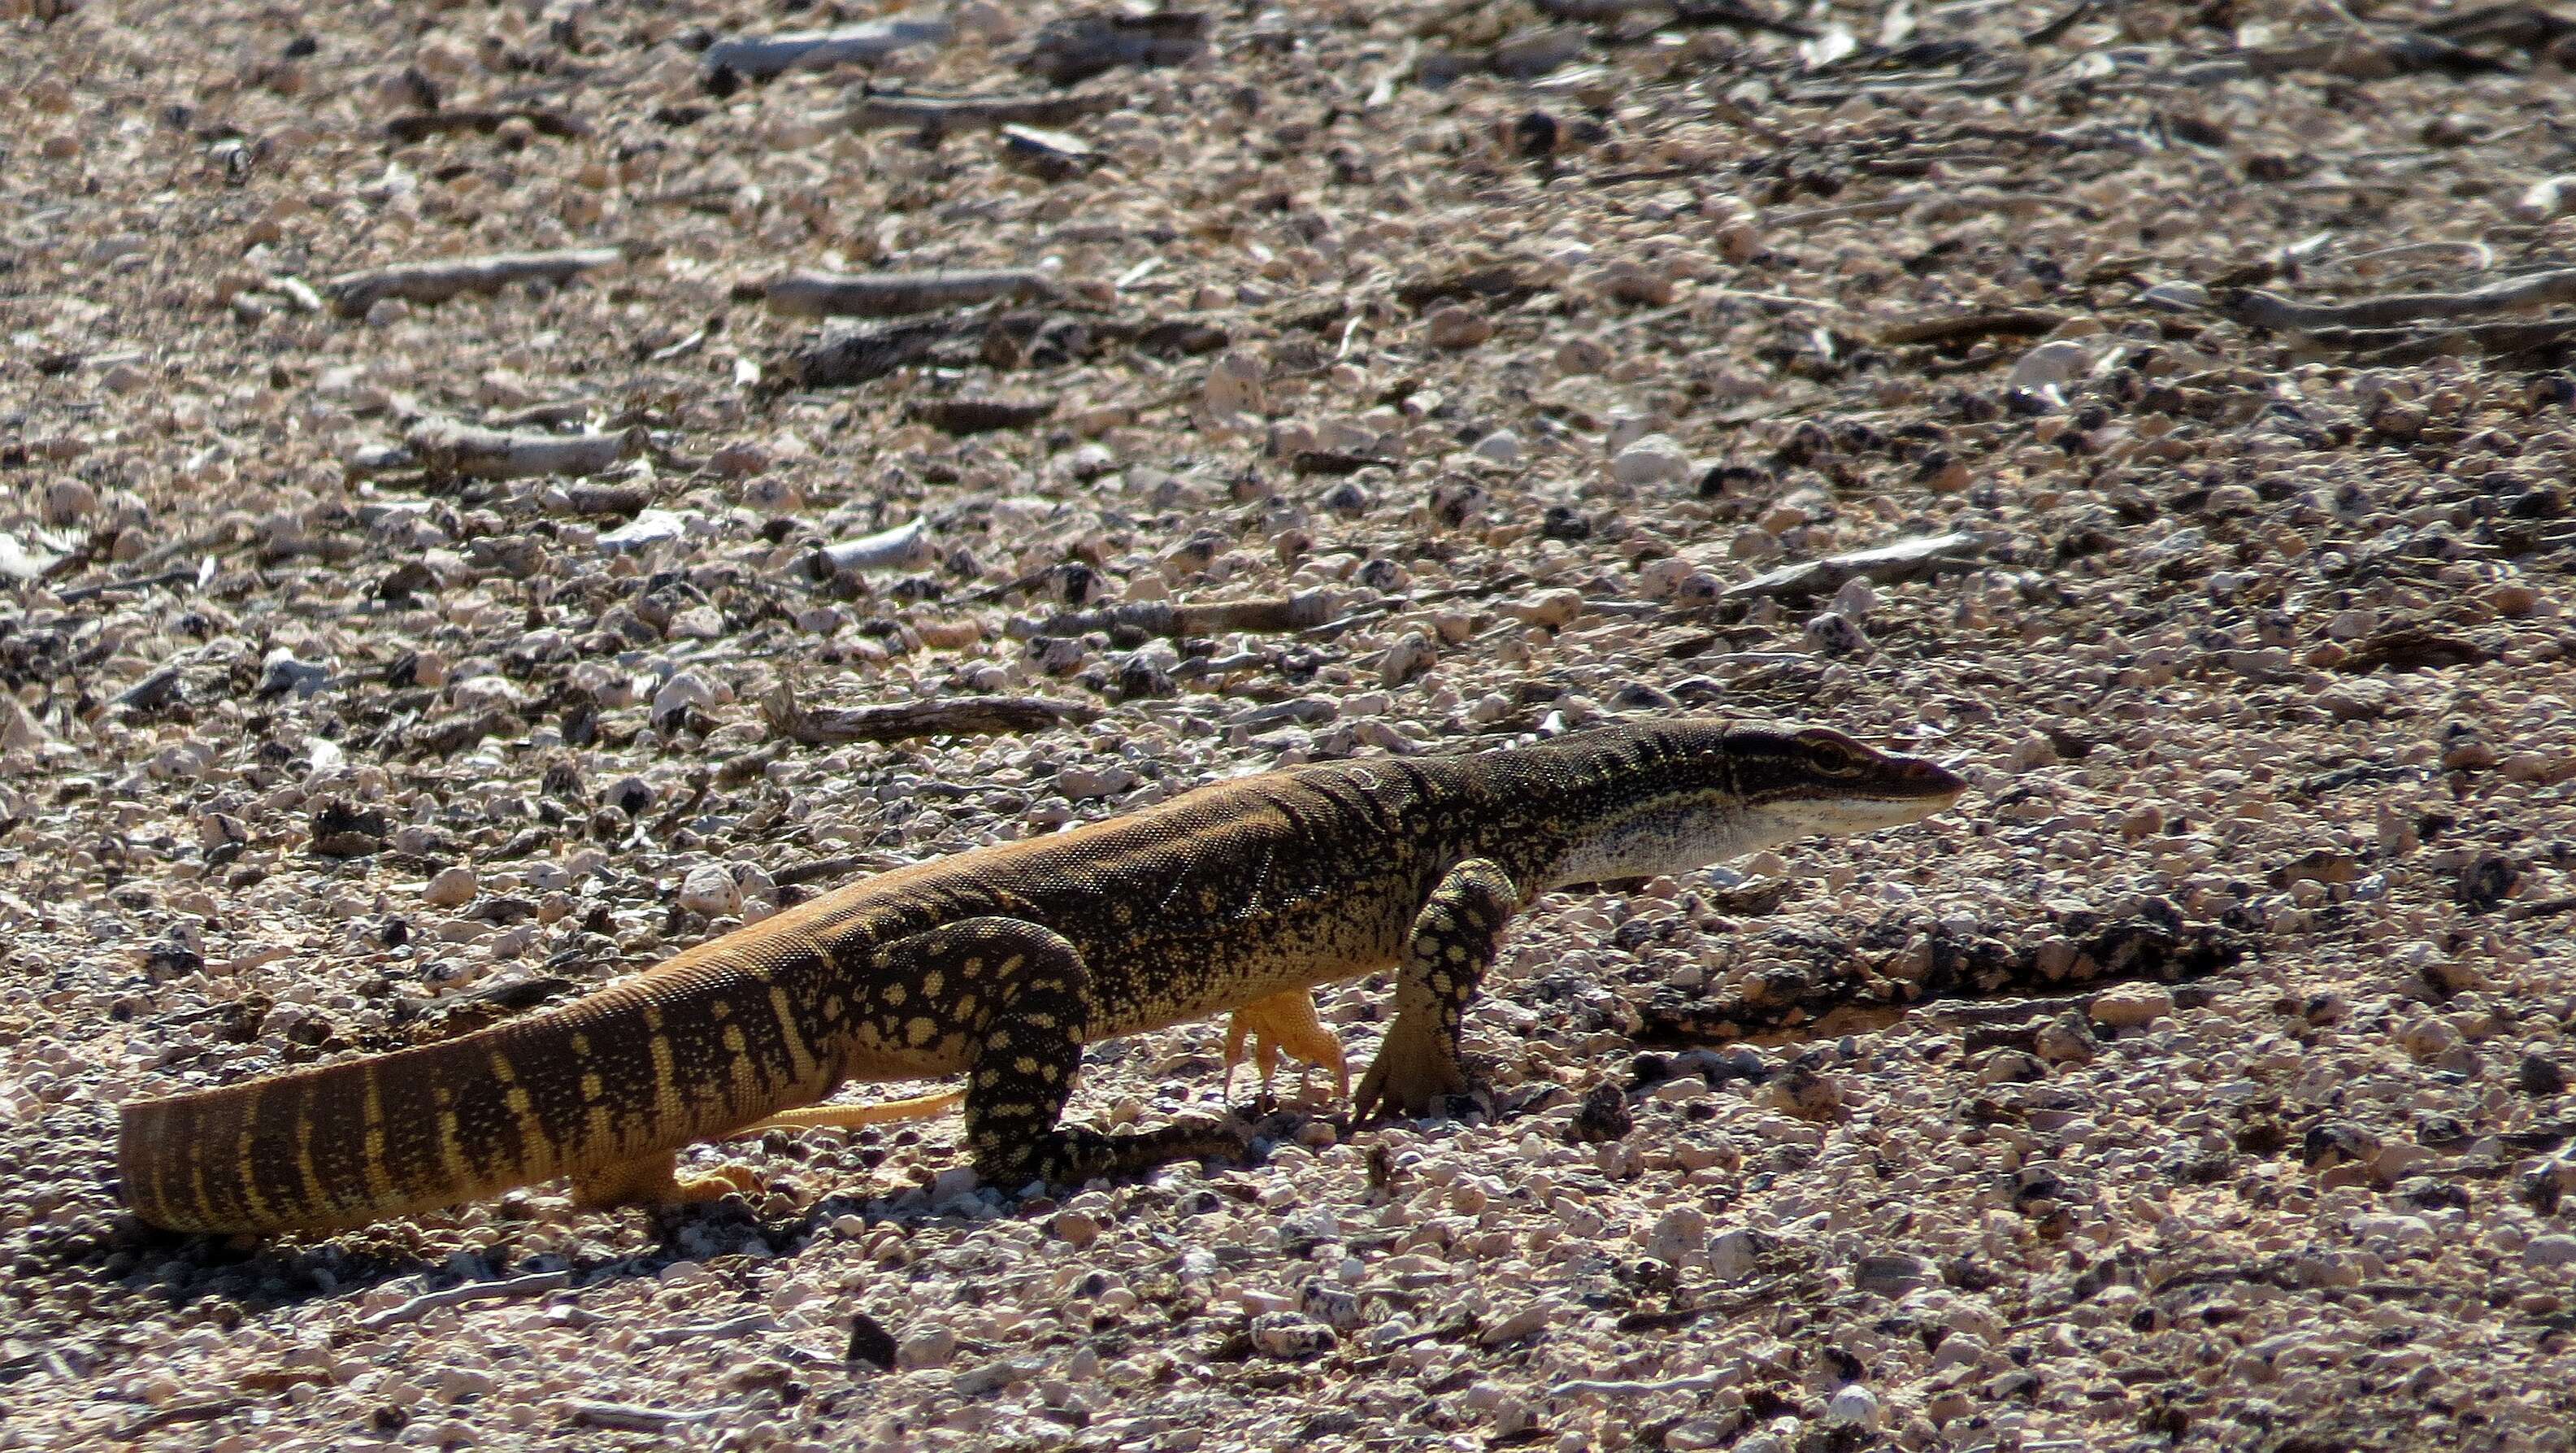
(1685, 794)
(1812, 781)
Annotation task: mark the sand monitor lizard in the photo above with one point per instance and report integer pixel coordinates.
(1002, 963)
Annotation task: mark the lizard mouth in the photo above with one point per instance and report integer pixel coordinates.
(1921, 779)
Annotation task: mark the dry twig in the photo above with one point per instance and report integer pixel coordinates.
(448, 447)
(1299, 612)
(534, 1284)
(353, 293)
(1905, 559)
(939, 114)
(809, 294)
(902, 721)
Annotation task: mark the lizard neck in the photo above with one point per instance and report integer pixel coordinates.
(1610, 805)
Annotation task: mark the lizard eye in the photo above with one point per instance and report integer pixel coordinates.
(1831, 763)
(1830, 758)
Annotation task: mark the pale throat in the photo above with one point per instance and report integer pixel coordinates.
(1656, 841)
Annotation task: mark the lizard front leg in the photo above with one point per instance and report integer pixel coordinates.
(1452, 943)
(1020, 996)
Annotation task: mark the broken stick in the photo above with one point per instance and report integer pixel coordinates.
(939, 114)
(447, 447)
(353, 293)
(1299, 612)
(759, 57)
(904, 545)
(809, 294)
(901, 721)
(1903, 560)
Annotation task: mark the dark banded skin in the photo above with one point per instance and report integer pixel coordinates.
(1001, 964)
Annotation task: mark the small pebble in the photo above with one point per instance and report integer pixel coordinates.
(450, 887)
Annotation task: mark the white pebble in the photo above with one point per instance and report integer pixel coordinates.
(1855, 1406)
(1654, 459)
(710, 890)
(451, 887)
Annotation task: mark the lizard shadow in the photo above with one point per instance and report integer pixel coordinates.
(227, 1280)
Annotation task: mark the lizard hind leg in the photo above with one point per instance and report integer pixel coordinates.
(657, 1180)
(1030, 1014)
(1285, 1021)
(1452, 943)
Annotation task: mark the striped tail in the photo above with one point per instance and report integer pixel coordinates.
(685, 1053)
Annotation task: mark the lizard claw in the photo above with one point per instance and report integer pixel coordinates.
(1283, 1023)
(1411, 1075)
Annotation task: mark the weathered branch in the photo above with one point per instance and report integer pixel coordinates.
(1904, 560)
(353, 293)
(761, 56)
(809, 294)
(906, 544)
(901, 721)
(855, 356)
(980, 415)
(1073, 49)
(745, 1325)
(1959, 326)
(2260, 309)
(627, 1418)
(536, 1284)
(939, 114)
(1303, 611)
(448, 447)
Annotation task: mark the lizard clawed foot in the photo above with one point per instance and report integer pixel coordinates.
(715, 1184)
(658, 1180)
(1284, 1023)
(1412, 1074)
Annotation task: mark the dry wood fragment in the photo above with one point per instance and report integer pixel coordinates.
(448, 447)
(607, 499)
(855, 356)
(725, 1331)
(905, 544)
(450, 735)
(810, 294)
(627, 1418)
(353, 293)
(2260, 309)
(1300, 612)
(2023, 321)
(1334, 463)
(534, 1284)
(1048, 155)
(846, 356)
(761, 56)
(902, 721)
(198, 1411)
(963, 416)
(1907, 559)
(421, 125)
(937, 114)
(1078, 47)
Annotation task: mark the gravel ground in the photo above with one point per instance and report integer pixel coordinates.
(2199, 1081)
